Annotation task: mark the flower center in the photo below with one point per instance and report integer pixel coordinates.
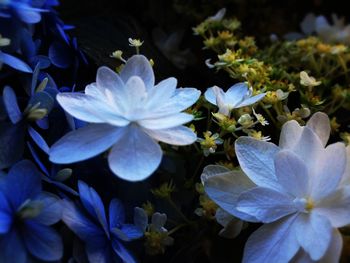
(304, 204)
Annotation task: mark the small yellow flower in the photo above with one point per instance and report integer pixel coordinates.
(307, 80)
(133, 42)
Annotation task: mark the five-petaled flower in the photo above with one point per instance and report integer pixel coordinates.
(129, 113)
(298, 189)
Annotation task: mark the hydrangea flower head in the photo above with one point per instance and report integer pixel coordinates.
(129, 113)
(239, 95)
(295, 188)
(103, 238)
(26, 214)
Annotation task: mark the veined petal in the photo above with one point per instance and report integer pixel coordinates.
(84, 143)
(292, 173)
(290, 134)
(314, 233)
(319, 124)
(336, 207)
(180, 135)
(161, 93)
(213, 170)
(265, 204)
(87, 108)
(251, 100)
(138, 65)
(235, 95)
(256, 159)
(329, 170)
(136, 155)
(166, 122)
(225, 188)
(274, 242)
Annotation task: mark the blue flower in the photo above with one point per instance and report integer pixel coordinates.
(23, 9)
(129, 113)
(102, 238)
(25, 216)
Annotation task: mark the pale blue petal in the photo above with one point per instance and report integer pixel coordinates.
(334, 250)
(235, 95)
(251, 100)
(319, 123)
(138, 65)
(181, 135)
(275, 242)
(256, 159)
(136, 155)
(135, 98)
(265, 204)
(314, 233)
(166, 122)
(210, 96)
(161, 93)
(38, 139)
(292, 173)
(158, 221)
(290, 134)
(84, 143)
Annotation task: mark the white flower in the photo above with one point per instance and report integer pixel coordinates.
(307, 80)
(130, 114)
(218, 16)
(239, 95)
(295, 188)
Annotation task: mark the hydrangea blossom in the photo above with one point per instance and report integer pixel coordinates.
(24, 9)
(26, 214)
(130, 114)
(295, 188)
(239, 95)
(102, 238)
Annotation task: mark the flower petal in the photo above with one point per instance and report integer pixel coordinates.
(116, 213)
(210, 96)
(161, 93)
(314, 233)
(290, 134)
(14, 62)
(334, 250)
(43, 242)
(5, 215)
(251, 100)
(136, 155)
(10, 102)
(256, 159)
(166, 122)
(329, 170)
(225, 188)
(265, 204)
(336, 207)
(275, 242)
(235, 95)
(180, 135)
(51, 212)
(12, 248)
(122, 252)
(292, 173)
(138, 65)
(84, 143)
(319, 124)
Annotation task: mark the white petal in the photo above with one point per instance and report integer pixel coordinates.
(336, 207)
(225, 188)
(256, 159)
(290, 134)
(314, 234)
(221, 101)
(251, 100)
(175, 136)
(89, 109)
(210, 96)
(135, 98)
(330, 168)
(161, 93)
(166, 122)
(236, 93)
(84, 143)
(138, 65)
(265, 204)
(136, 155)
(319, 124)
(292, 173)
(273, 242)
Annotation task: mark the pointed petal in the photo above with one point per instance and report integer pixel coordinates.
(212, 170)
(319, 124)
(251, 100)
(116, 213)
(122, 252)
(161, 93)
(38, 139)
(329, 170)
(131, 232)
(87, 108)
(275, 242)
(235, 95)
(51, 212)
(138, 65)
(43, 242)
(14, 62)
(290, 134)
(11, 105)
(93, 204)
(180, 135)
(166, 122)
(265, 204)
(225, 188)
(256, 159)
(336, 207)
(84, 143)
(136, 155)
(210, 96)
(292, 173)
(314, 233)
